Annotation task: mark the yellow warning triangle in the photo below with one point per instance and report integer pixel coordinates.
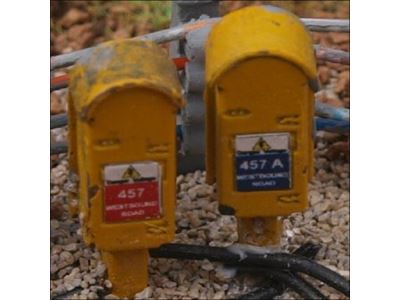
(261, 145)
(131, 173)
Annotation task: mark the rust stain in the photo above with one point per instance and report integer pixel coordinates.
(92, 191)
(83, 114)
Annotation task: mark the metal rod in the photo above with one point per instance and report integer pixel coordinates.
(327, 25)
(332, 55)
(179, 32)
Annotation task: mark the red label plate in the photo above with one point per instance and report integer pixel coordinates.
(132, 192)
(131, 202)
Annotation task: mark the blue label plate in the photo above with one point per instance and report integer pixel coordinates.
(262, 162)
(268, 171)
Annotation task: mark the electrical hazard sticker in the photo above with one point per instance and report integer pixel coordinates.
(262, 162)
(132, 192)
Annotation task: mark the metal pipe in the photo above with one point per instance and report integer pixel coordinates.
(58, 82)
(193, 134)
(330, 112)
(332, 55)
(179, 32)
(332, 125)
(193, 82)
(327, 25)
(58, 148)
(59, 120)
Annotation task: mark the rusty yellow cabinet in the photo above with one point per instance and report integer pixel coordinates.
(124, 97)
(260, 82)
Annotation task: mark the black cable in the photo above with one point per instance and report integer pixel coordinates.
(58, 120)
(290, 262)
(268, 292)
(297, 284)
(276, 288)
(308, 250)
(62, 296)
(290, 280)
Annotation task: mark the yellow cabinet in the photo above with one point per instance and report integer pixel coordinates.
(124, 97)
(260, 82)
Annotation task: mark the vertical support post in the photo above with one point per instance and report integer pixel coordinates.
(127, 270)
(192, 155)
(260, 231)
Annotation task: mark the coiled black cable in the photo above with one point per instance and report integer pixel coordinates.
(289, 280)
(267, 292)
(289, 262)
(299, 285)
(308, 250)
